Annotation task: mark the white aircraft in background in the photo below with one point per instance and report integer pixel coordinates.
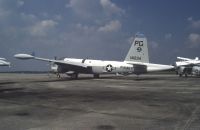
(187, 66)
(3, 62)
(136, 62)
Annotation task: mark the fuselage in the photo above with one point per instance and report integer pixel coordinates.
(101, 66)
(121, 67)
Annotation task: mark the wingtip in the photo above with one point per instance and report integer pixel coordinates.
(23, 56)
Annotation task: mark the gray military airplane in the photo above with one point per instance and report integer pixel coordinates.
(136, 62)
(186, 66)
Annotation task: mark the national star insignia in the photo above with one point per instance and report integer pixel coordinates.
(109, 68)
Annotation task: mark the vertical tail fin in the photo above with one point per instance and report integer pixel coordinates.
(139, 50)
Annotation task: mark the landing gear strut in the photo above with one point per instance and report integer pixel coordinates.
(186, 75)
(96, 76)
(58, 75)
(74, 76)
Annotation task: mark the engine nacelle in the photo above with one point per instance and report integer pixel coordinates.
(58, 69)
(54, 68)
(196, 70)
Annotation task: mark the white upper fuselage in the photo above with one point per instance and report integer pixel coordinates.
(188, 62)
(100, 66)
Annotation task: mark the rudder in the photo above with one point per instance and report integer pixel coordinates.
(139, 50)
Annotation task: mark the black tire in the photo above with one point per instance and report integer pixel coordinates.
(186, 75)
(58, 75)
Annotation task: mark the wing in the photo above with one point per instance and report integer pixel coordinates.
(139, 68)
(185, 59)
(2, 59)
(144, 67)
(62, 62)
(188, 63)
(58, 62)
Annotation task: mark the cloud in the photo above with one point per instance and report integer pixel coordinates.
(94, 8)
(20, 3)
(58, 17)
(85, 28)
(4, 13)
(84, 8)
(194, 39)
(72, 4)
(41, 28)
(30, 18)
(9, 8)
(189, 18)
(168, 36)
(110, 7)
(195, 24)
(130, 40)
(112, 26)
(95, 15)
(153, 44)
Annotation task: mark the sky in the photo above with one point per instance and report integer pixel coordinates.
(97, 29)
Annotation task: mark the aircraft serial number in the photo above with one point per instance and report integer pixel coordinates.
(135, 58)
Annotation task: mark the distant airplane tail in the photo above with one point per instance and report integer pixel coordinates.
(139, 50)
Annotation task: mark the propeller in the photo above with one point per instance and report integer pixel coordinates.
(54, 68)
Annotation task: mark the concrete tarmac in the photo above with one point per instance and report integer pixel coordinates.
(148, 102)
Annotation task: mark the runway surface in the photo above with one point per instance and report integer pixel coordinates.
(149, 102)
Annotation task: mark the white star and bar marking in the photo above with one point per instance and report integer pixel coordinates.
(109, 68)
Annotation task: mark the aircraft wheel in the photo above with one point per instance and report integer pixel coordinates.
(186, 75)
(58, 75)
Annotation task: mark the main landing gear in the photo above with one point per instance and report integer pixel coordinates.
(74, 76)
(186, 75)
(58, 75)
(96, 76)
